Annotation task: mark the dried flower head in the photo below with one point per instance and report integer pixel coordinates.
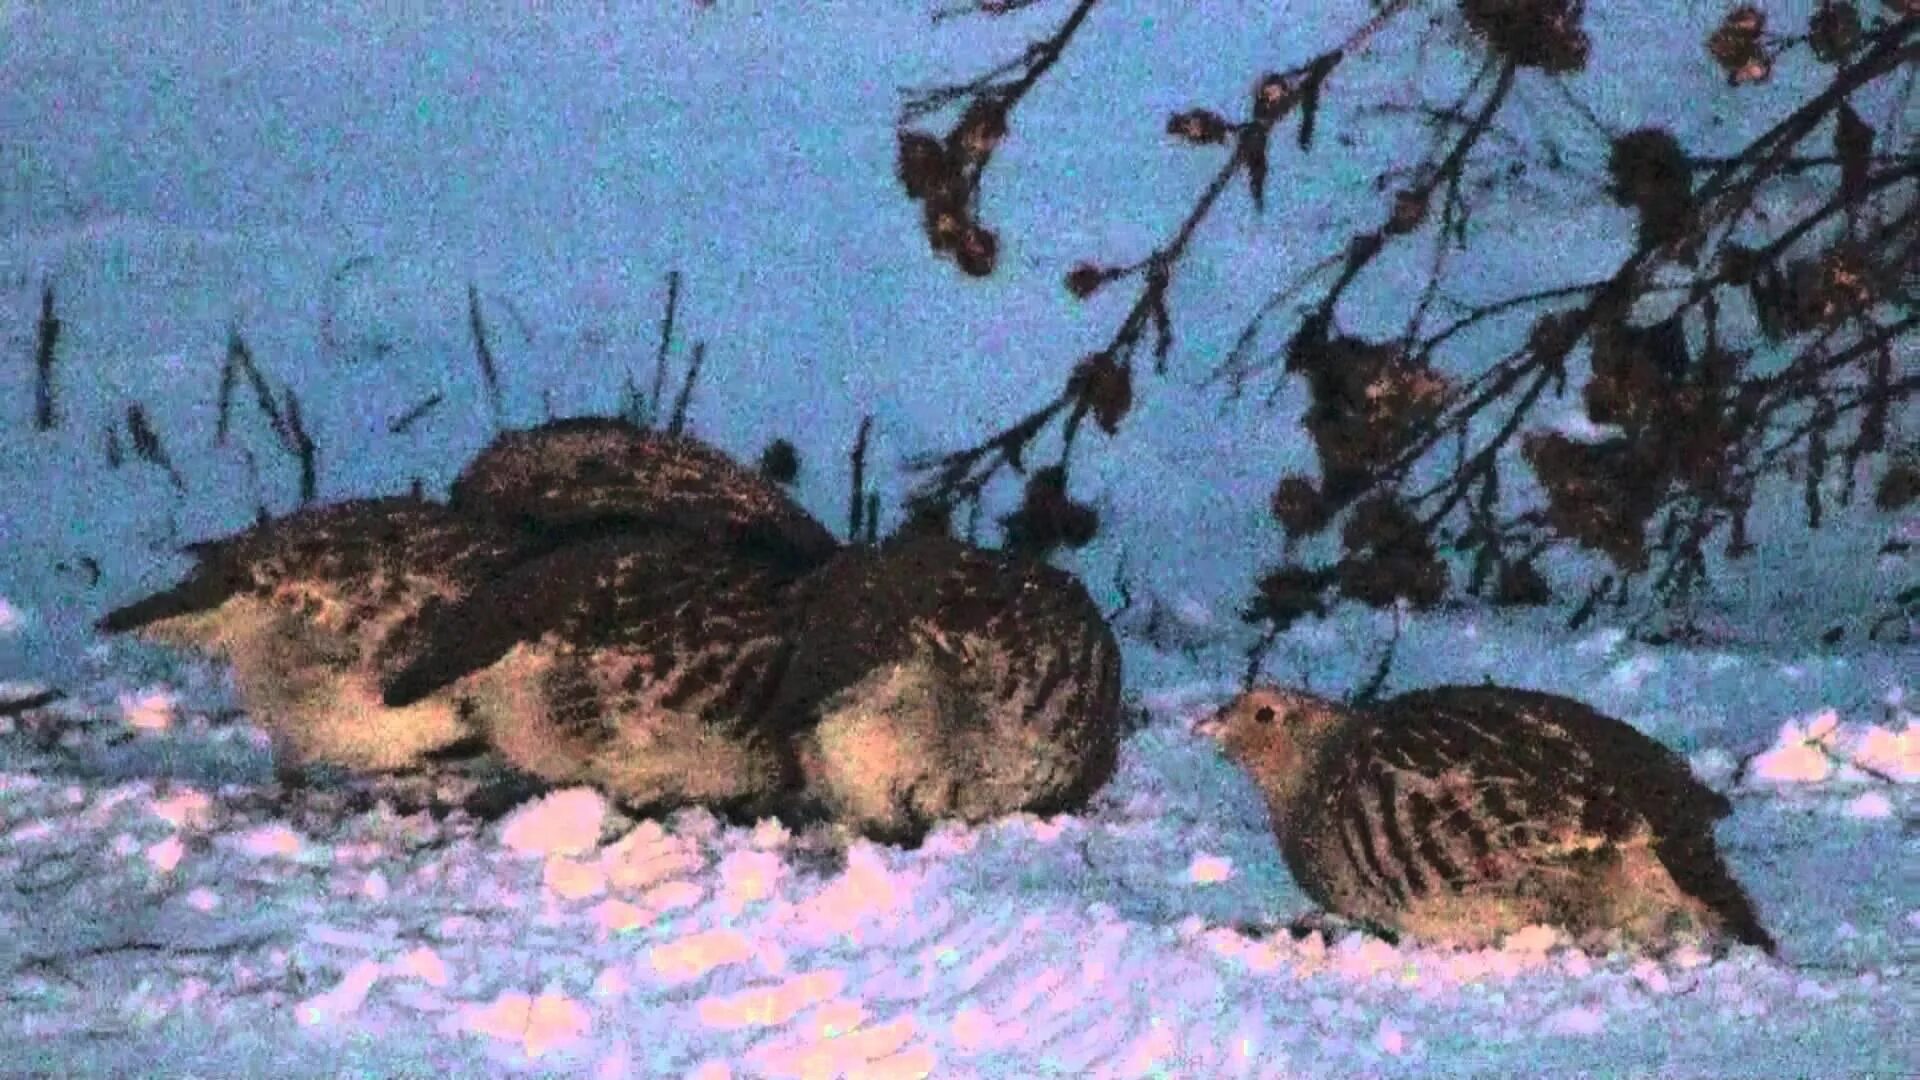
(977, 249)
(1834, 31)
(922, 164)
(1599, 495)
(1048, 517)
(780, 462)
(1271, 96)
(1520, 585)
(1198, 126)
(946, 222)
(1543, 34)
(1085, 279)
(1285, 595)
(1383, 581)
(1409, 210)
(1738, 48)
(1383, 524)
(1105, 386)
(1389, 557)
(1635, 371)
(1298, 506)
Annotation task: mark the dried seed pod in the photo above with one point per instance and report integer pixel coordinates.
(1200, 127)
(923, 165)
(1048, 518)
(1270, 96)
(1298, 507)
(1543, 34)
(1105, 386)
(1085, 279)
(1409, 210)
(1834, 32)
(1899, 486)
(1287, 594)
(1738, 48)
(780, 462)
(946, 222)
(979, 132)
(977, 250)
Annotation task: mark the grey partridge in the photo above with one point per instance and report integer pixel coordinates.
(1457, 814)
(313, 609)
(934, 680)
(586, 474)
(641, 662)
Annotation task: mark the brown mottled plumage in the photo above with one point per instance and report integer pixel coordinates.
(587, 472)
(641, 662)
(1460, 814)
(314, 607)
(936, 680)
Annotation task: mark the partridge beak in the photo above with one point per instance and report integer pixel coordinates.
(1212, 725)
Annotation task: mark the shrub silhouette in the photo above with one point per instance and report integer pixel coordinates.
(1777, 348)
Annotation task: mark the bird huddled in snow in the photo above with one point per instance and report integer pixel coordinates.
(641, 662)
(640, 654)
(1457, 815)
(608, 605)
(932, 680)
(588, 473)
(313, 609)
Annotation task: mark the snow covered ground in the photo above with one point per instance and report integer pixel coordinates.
(161, 921)
(328, 182)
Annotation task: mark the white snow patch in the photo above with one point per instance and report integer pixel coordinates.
(1209, 869)
(1715, 766)
(1390, 1039)
(747, 877)
(1576, 1020)
(274, 840)
(537, 1024)
(343, 999)
(1869, 804)
(186, 809)
(1632, 672)
(149, 709)
(12, 619)
(1822, 748)
(567, 822)
(166, 854)
(1601, 642)
(574, 879)
(421, 963)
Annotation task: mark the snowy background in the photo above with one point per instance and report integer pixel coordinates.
(328, 180)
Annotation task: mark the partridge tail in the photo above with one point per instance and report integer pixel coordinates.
(202, 591)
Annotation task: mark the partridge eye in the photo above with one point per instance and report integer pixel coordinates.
(1263, 715)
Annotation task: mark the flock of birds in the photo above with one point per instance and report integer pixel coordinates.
(602, 604)
(598, 603)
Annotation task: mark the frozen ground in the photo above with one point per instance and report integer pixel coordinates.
(165, 919)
